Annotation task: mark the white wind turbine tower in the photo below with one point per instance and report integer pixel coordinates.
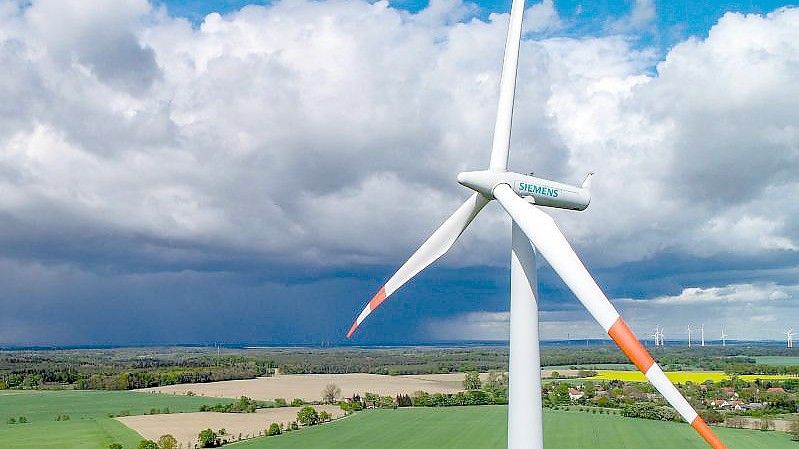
(689, 335)
(533, 231)
(723, 338)
(789, 334)
(662, 338)
(703, 335)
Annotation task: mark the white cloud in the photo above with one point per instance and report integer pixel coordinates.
(541, 17)
(729, 293)
(744, 311)
(331, 132)
(643, 13)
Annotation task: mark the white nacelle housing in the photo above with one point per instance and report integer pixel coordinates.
(542, 191)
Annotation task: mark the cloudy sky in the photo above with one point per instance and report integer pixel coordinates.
(189, 171)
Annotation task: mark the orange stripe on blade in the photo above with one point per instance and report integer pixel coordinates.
(378, 299)
(707, 434)
(352, 329)
(628, 342)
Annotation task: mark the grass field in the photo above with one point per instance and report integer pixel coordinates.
(777, 360)
(485, 428)
(682, 377)
(89, 426)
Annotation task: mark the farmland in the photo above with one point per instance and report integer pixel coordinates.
(484, 427)
(309, 386)
(40, 386)
(88, 426)
(186, 426)
(777, 360)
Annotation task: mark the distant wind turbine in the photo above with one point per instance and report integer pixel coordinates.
(689, 335)
(655, 336)
(723, 338)
(789, 334)
(703, 335)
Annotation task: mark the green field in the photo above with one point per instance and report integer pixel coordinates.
(412, 428)
(89, 426)
(777, 360)
(485, 428)
(681, 377)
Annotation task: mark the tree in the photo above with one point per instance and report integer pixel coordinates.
(147, 444)
(496, 383)
(330, 393)
(471, 381)
(307, 416)
(712, 416)
(114, 446)
(297, 402)
(559, 394)
(403, 400)
(274, 429)
(167, 442)
(589, 389)
(207, 438)
(324, 416)
(123, 383)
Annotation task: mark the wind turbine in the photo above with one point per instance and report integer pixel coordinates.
(656, 336)
(789, 333)
(662, 339)
(689, 335)
(723, 338)
(532, 231)
(703, 335)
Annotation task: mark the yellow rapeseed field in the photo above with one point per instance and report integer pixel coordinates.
(682, 377)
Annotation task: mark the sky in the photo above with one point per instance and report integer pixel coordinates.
(192, 172)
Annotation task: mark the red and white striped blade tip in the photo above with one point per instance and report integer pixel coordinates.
(373, 303)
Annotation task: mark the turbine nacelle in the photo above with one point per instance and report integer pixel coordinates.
(542, 192)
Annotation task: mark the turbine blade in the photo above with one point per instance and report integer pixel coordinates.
(541, 229)
(433, 248)
(507, 89)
